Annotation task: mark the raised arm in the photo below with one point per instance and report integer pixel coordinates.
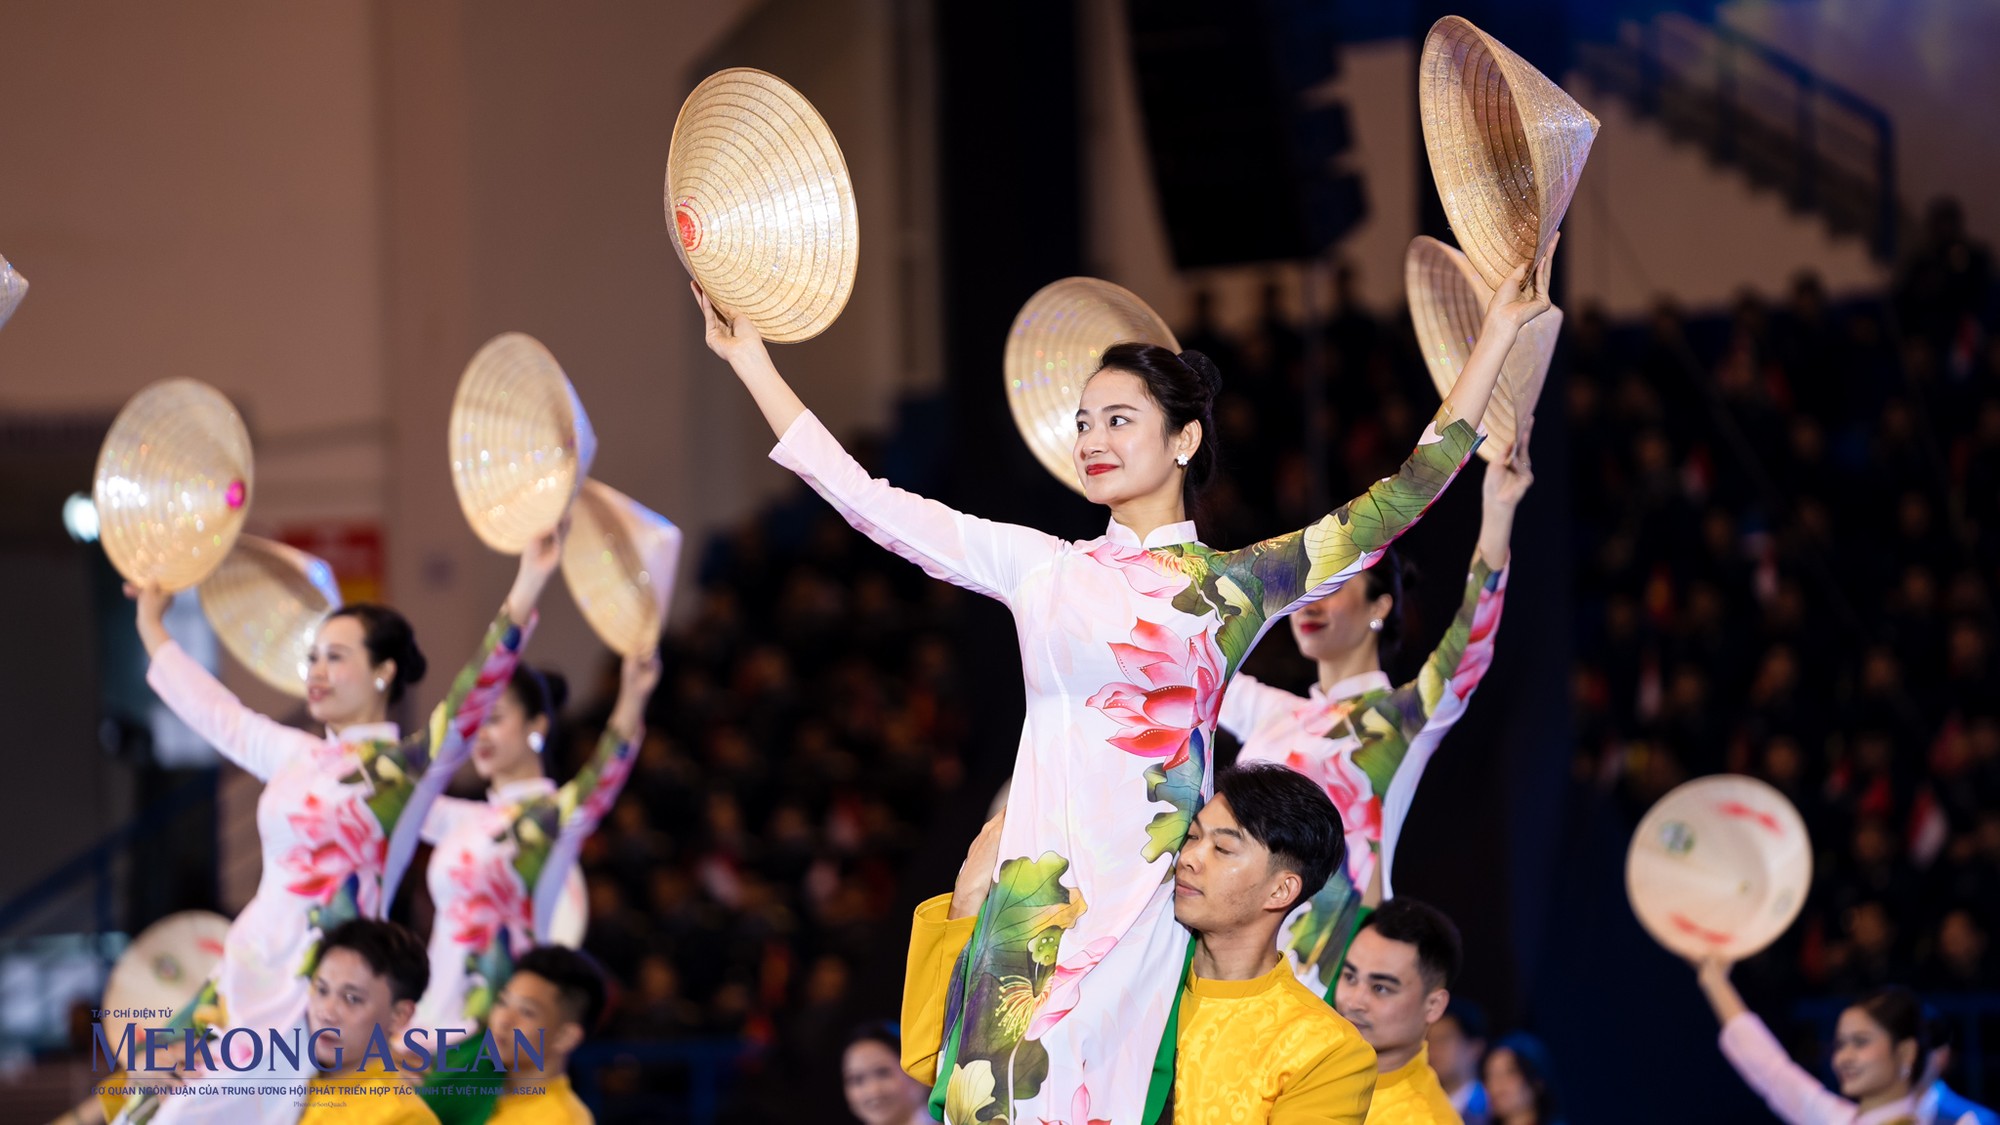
(258, 744)
(1792, 1093)
(1513, 305)
(582, 801)
(1447, 680)
(982, 556)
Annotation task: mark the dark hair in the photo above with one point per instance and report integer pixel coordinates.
(1439, 948)
(1899, 1013)
(1537, 1071)
(1289, 814)
(578, 982)
(876, 1031)
(391, 951)
(1185, 386)
(1471, 1017)
(539, 691)
(1394, 576)
(388, 636)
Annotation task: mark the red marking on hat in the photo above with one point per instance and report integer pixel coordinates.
(1689, 926)
(688, 223)
(1744, 812)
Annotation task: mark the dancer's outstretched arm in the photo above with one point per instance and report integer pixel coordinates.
(1514, 304)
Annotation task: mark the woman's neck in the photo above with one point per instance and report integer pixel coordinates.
(1143, 517)
(525, 772)
(1357, 661)
(1890, 1096)
(335, 730)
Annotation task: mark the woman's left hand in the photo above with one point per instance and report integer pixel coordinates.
(1509, 478)
(1517, 301)
(538, 563)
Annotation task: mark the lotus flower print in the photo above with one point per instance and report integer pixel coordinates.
(337, 840)
(1175, 689)
(487, 900)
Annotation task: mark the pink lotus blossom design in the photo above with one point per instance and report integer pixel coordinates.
(1079, 1111)
(1065, 987)
(337, 841)
(1176, 688)
(1354, 796)
(487, 898)
(1143, 571)
(1478, 644)
(605, 793)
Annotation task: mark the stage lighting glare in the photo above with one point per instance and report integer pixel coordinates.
(80, 518)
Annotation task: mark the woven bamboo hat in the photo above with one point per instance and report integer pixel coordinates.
(13, 287)
(1054, 347)
(265, 602)
(1447, 305)
(759, 199)
(521, 444)
(173, 484)
(163, 969)
(572, 913)
(1506, 146)
(620, 560)
(1719, 865)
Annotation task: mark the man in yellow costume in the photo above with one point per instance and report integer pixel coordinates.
(364, 991)
(1393, 986)
(1253, 1045)
(554, 997)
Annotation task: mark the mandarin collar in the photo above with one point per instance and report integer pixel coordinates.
(1166, 535)
(367, 732)
(1417, 1065)
(1353, 686)
(520, 792)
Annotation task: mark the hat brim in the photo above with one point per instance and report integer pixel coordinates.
(173, 484)
(1720, 865)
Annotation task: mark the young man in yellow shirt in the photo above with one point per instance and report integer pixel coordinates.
(364, 989)
(1253, 1045)
(554, 996)
(1393, 986)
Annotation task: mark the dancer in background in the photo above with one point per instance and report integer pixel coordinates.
(1127, 642)
(1458, 1046)
(1363, 738)
(1879, 1056)
(498, 866)
(555, 997)
(339, 815)
(1393, 987)
(1520, 1088)
(871, 1071)
(366, 983)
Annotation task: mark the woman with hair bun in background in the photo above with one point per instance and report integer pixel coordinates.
(1880, 1049)
(339, 816)
(1061, 1002)
(1363, 738)
(498, 866)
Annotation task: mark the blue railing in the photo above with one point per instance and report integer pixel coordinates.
(657, 1081)
(97, 864)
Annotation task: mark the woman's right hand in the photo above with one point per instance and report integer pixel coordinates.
(152, 603)
(539, 561)
(1517, 302)
(733, 338)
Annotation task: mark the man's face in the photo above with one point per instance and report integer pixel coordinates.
(349, 998)
(1382, 993)
(533, 1006)
(1224, 879)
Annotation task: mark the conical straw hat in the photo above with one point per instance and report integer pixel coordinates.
(620, 560)
(13, 287)
(162, 970)
(1054, 347)
(1506, 146)
(266, 601)
(1447, 305)
(173, 484)
(521, 444)
(760, 204)
(572, 912)
(1720, 865)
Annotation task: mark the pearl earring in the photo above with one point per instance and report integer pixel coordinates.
(381, 684)
(1375, 625)
(535, 741)
(1181, 460)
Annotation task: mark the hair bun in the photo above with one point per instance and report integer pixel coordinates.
(1204, 369)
